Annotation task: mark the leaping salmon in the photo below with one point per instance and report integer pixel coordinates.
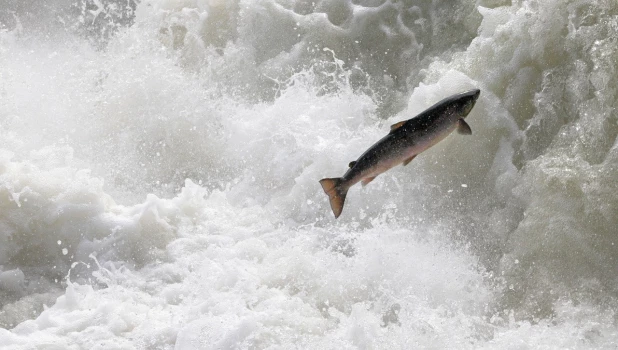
(404, 142)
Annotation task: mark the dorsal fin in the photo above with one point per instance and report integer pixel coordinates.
(352, 164)
(397, 125)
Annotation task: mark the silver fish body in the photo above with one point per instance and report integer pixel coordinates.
(405, 141)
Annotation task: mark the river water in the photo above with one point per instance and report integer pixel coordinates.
(159, 167)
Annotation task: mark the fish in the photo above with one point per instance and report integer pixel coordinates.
(406, 140)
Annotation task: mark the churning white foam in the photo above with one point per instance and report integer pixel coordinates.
(159, 165)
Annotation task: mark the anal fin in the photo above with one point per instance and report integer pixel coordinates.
(405, 162)
(367, 180)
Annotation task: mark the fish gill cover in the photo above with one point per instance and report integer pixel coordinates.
(159, 163)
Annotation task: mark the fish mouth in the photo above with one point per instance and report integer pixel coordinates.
(474, 94)
(471, 95)
(469, 98)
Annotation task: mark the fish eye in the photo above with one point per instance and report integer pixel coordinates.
(468, 107)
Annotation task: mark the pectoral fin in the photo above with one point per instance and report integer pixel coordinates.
(463, 127)
(405, 162)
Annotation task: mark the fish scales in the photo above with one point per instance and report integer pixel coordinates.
(402, 144)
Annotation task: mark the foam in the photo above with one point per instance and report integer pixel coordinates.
(158, 179)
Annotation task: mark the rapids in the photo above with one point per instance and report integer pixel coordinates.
(159, 167)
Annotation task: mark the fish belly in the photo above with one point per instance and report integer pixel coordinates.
(431, 140)
(423, 144)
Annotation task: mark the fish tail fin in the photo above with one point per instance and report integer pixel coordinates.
(336, 194)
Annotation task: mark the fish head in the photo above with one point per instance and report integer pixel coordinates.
(466, 101)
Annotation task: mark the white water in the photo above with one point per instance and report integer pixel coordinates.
(159, 165)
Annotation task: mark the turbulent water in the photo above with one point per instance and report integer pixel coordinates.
(159, 167)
